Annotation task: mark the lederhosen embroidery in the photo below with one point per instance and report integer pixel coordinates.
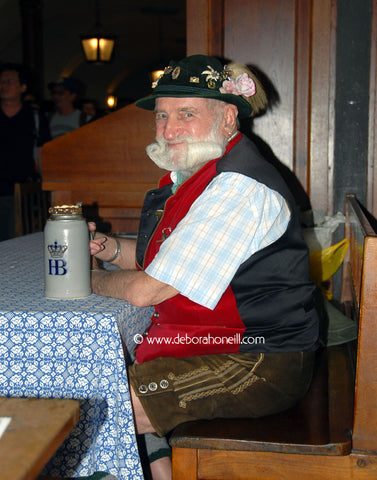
(230, 381)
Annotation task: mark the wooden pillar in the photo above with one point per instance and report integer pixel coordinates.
(322, 105)
(205, 27)
(371, 202)
(32, 40)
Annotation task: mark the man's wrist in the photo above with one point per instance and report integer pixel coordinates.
(116, 253)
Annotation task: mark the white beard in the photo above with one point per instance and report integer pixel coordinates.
(196, 154)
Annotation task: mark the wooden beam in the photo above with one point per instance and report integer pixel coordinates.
(205, 27)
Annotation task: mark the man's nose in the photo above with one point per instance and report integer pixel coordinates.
(172, 129)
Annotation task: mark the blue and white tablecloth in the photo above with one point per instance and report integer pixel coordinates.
(69, 349)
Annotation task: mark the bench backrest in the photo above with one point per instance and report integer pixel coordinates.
(359, 286)
(104, 165)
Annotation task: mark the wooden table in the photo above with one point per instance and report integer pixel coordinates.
(37, 429)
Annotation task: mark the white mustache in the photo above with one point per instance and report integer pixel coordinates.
(198, 153)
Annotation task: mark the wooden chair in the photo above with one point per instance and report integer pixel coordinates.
(332, 433)
(30, 208)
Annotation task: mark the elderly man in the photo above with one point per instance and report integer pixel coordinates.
(221, 258)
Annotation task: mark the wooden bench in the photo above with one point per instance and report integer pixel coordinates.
(332, 433)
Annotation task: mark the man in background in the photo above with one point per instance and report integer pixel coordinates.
(90, 111)
(23, 130)
(66, 116)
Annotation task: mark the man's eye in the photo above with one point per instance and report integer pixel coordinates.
(161, 116)
(188, 115)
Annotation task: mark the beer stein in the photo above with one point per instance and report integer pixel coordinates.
(66, 253)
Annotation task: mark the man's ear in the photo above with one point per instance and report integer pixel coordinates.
(229, 123)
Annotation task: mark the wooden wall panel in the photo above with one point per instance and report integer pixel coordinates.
(293, 44)
(372, 130)
(322, 105)
(111, 149)
(302, 93)
(205, 27)
(104, 165)
(262, 33)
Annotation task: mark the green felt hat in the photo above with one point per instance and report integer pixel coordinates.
(206, 77)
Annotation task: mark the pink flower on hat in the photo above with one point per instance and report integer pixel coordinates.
(229, 86)
(243, 85)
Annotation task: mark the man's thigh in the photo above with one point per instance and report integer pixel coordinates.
(176, 390)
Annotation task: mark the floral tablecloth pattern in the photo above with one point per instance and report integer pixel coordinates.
(70, 349)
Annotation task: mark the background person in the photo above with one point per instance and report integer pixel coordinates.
(90, 111)
(23, 130)
(66, 116)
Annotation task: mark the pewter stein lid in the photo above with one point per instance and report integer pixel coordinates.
(66, 211)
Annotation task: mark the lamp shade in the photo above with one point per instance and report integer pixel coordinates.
(98, 48)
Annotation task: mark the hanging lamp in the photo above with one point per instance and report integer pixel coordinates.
(97, 45)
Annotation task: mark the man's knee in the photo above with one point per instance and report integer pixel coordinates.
(142, 423)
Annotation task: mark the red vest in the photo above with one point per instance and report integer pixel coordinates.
(180, 327)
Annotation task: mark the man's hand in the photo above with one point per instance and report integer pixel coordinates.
(103, 247)
(97, 242)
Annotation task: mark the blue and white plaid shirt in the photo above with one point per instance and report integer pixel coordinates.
(233, 218)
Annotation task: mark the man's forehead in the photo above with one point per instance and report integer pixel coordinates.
(180, 103)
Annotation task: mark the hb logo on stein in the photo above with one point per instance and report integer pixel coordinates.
(56, 265)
